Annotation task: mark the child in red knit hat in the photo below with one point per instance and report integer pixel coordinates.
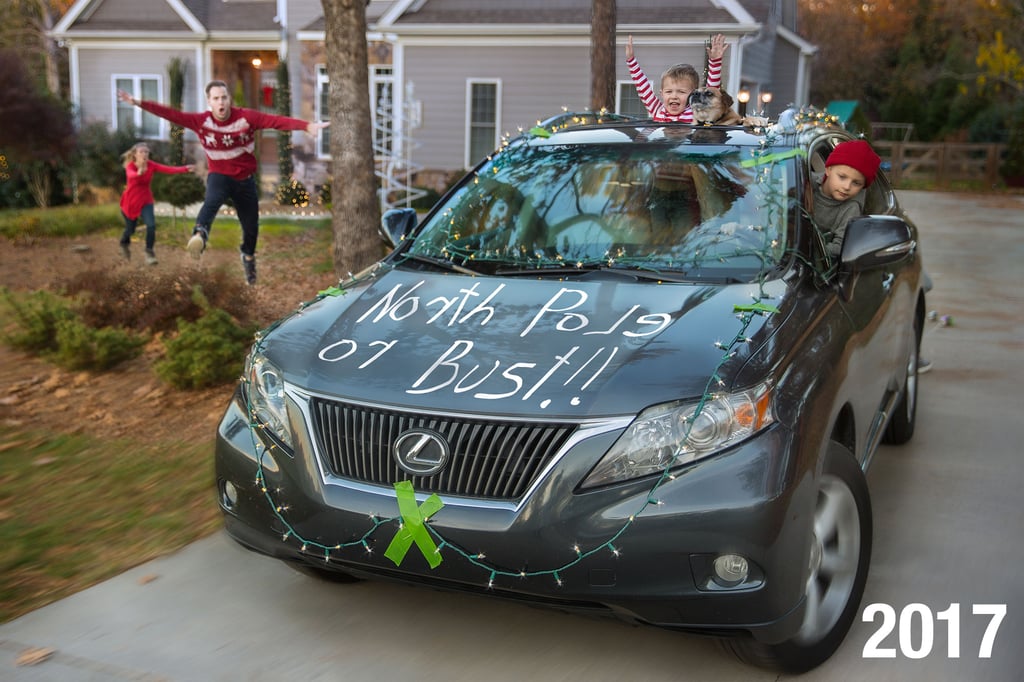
(850, 168)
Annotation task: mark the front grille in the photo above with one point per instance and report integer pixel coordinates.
(490, 459)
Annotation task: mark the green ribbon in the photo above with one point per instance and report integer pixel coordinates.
(771, 158)
(760, 308)
(413, 527)
(332, 291)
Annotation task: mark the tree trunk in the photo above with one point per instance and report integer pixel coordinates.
(355, 212)
(602, 55)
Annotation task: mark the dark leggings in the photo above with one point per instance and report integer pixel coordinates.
(146, 217)
(220, 188)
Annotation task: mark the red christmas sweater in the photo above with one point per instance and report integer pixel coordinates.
(228, 144)
(136, 191)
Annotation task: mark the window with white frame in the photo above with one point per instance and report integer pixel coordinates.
(381, 104)
(629, 103)
(322, 112)
(482, 105)
(140, 86)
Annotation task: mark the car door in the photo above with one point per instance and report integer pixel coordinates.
(877, 304)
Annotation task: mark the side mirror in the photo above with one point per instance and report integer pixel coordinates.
(396, 224)
(875, 240)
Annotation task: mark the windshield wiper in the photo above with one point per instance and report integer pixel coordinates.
(438, 262)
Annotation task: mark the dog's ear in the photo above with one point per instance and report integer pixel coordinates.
(726, 98)
(689, 98)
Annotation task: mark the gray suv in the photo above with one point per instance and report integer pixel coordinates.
(613, 370)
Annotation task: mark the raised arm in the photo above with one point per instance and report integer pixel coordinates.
(644, 89)
(716, 51)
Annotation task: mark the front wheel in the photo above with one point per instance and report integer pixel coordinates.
(837, 571)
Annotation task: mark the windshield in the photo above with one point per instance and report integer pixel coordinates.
(698, 212)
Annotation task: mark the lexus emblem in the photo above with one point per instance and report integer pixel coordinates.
(421, 452)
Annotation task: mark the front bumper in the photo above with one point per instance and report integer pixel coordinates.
(636, 551)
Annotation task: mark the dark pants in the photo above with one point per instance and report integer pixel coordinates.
(146, 217)
(243, 194)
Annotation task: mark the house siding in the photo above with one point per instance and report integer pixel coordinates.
(787, 62)
(535, 85)
(97, 66)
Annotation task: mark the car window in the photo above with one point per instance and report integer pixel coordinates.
(700, 210)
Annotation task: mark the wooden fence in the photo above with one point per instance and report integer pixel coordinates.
(941, 163)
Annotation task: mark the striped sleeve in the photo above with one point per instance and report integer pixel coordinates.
(714, 73)
(644, 90)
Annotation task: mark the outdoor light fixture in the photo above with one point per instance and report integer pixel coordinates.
(743, 96)
(766, 98)
(256, 62)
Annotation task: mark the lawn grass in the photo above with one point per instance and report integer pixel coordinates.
(75, 510)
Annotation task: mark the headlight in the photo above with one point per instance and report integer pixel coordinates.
(673, 434)
(266, 397)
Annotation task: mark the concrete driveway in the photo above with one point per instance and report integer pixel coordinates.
(949, 523)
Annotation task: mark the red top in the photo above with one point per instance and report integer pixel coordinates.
(137, 192)
(229, 144)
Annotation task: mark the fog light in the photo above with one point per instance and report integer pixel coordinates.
(731, 569)
(228, 494)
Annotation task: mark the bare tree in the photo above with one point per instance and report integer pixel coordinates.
(602, 55)
(356, 213)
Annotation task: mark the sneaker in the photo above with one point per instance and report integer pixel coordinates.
(197, 243)
(126, 252)
(923, 365)
(150, 257)
(249, 265)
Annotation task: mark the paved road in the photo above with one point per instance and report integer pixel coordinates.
(949, 523)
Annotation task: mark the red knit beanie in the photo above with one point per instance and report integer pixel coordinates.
(856, 154)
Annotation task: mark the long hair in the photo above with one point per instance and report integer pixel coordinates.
(129, 156)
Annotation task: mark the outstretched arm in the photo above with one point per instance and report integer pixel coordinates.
(185, 120)
(315, 126)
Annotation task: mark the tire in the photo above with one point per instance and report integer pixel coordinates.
(900, 428)
(839, 560)
(323, 574)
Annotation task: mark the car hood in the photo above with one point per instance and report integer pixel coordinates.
(516, 347)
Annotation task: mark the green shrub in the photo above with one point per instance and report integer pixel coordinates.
(59, 221)
(179, 190)
(153, 301)
(207, 352)
(47, 325)
(36, 317)
(80, 346)
(292, 193)
(324, 195)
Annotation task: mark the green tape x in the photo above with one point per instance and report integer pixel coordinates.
(759, 308)
(413, 529)
(771, 158)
